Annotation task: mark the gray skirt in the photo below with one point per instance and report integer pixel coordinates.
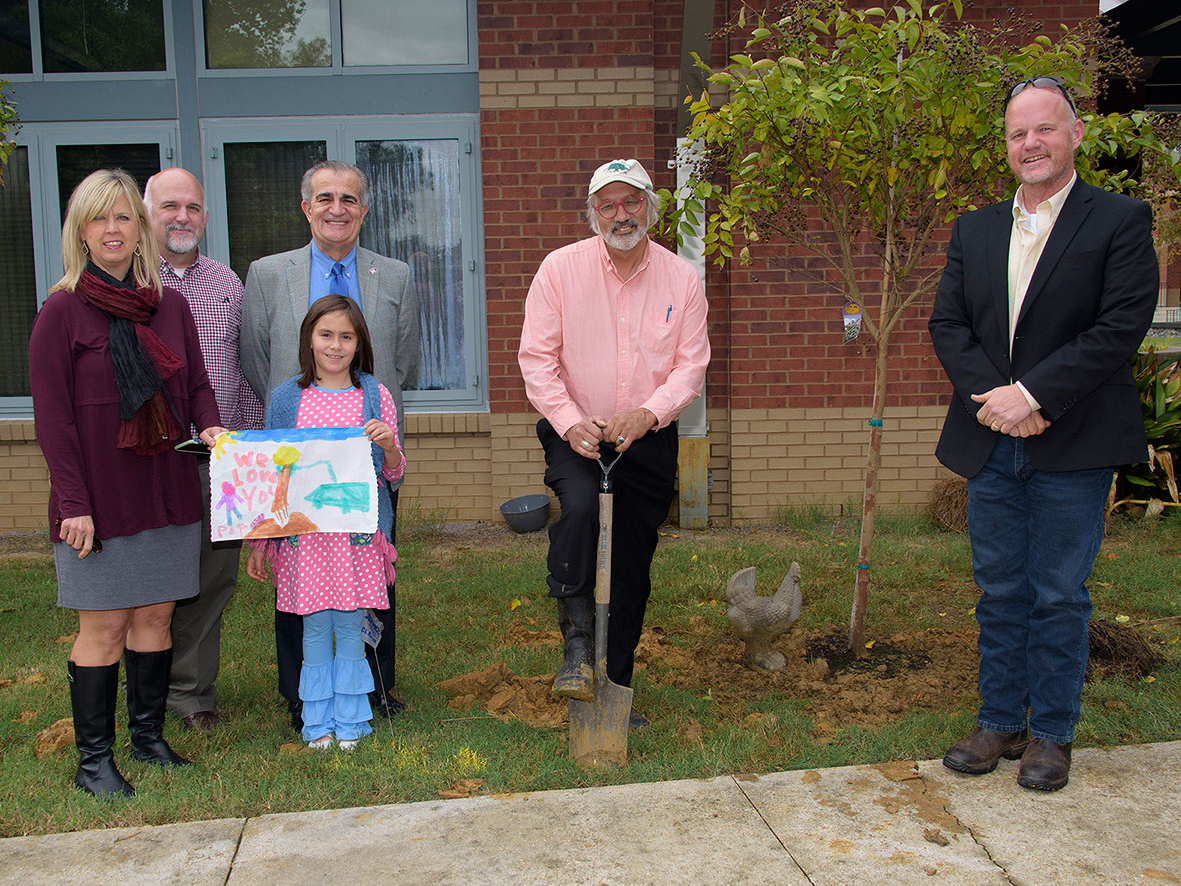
(153, 566)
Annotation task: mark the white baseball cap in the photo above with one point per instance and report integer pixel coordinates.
(627, 171)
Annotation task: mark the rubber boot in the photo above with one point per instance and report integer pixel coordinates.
(576, 618)
(92, 697)
(147, 691)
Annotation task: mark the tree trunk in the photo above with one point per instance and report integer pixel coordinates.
(869, 502)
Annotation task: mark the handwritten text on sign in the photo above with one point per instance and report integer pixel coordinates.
(268, 484)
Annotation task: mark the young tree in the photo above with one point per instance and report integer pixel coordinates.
(844, 127)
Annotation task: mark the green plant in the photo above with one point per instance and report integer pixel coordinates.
(8, 126)
(1154, 483)
(839, 129)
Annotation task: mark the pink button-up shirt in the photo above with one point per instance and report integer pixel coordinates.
(593, 343)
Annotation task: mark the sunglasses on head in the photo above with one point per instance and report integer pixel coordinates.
(1041, 83)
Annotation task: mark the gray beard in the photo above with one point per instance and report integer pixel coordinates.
(622, 242)
(180, 242)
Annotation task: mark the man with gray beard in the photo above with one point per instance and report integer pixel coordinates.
(613, 347)
(176, 208)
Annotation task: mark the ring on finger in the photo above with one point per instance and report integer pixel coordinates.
(584, 445)
(621, 439)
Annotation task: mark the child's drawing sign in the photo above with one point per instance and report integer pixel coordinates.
(269, 484)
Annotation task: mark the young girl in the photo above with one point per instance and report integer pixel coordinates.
(330, 578)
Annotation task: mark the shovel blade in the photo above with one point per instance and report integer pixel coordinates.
(598, 728)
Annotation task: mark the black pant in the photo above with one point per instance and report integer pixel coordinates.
(643, 484)
(289, 640)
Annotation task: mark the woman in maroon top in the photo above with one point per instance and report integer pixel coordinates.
(118, 380)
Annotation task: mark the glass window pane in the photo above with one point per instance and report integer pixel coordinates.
(18, 279)
(262, 198)
(414, 215)
(75, 162)
(102, 35)
(16, 54)
(267, 34)
(378, 32)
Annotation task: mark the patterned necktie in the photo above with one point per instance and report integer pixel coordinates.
(336, 280)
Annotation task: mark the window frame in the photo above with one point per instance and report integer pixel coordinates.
(340, 135)
(42, 141)
(336, 38)
(40, 75)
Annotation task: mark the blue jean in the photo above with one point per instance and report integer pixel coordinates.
(1035, 535)
(334, 688)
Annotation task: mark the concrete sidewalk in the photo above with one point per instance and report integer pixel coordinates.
(896, 824)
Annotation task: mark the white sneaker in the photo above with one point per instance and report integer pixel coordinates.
(347, 744)
(323, 743)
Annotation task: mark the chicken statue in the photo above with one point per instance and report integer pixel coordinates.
(761, 620)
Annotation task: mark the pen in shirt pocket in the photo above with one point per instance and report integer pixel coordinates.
(668, 313)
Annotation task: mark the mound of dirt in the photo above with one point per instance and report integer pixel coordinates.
(912, 670)
(921, 669)
(508, 696)
(1119, 651)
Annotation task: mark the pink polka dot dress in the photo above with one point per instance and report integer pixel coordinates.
(335, 570)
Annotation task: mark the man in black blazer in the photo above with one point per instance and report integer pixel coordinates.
(1042, 304)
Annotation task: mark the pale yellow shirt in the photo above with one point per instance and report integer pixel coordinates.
(1030, 232)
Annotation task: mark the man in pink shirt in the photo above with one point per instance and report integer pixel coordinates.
(613, 347)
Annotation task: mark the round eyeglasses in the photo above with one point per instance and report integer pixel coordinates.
(631, 205)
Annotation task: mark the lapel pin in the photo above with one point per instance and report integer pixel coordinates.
(372, 272)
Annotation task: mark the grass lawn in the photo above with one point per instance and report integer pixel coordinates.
(467, 597)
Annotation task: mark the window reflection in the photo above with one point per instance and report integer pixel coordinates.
(93, 35)
(415, 216)
(267, 34)
(378, 32)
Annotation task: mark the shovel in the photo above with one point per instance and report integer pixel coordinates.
(598, 728)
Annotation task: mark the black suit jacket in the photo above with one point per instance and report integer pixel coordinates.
(1089, 303)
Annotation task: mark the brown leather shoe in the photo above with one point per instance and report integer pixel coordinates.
(983, 748)
(202, 721)
(1045, 766)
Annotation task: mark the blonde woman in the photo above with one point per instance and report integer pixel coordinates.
(117, 381)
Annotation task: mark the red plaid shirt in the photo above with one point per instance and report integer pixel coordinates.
(214, 294)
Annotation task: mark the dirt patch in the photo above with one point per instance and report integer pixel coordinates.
(911, 670)
(922, 669)
(1117, 650)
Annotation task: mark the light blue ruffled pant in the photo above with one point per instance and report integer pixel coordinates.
(335, 689)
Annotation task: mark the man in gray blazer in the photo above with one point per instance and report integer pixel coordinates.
(279, 290)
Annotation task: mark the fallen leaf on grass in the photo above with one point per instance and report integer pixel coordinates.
(25, 717)
(465, 787)
(36, 677)
(65, 638)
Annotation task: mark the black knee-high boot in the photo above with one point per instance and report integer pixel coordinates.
(92, 697)
(147, 691)
(576, 618)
